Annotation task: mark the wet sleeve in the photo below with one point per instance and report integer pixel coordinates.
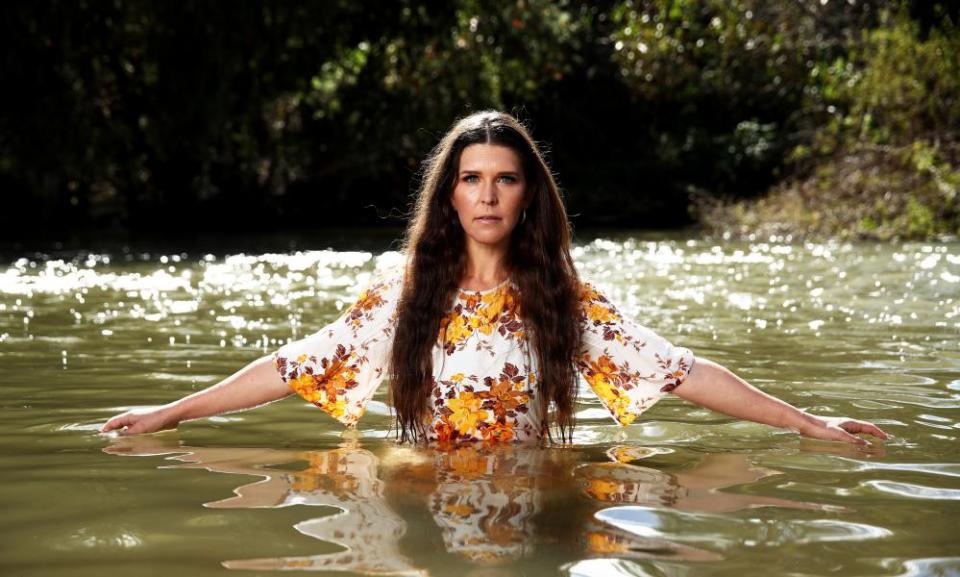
(339, 367)
(627, 365)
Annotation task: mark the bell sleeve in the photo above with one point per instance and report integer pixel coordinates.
(627, 365)
(339, 367)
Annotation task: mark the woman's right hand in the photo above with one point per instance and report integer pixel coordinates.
(256, 384)
(146, 420)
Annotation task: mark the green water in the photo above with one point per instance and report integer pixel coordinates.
(862, 330)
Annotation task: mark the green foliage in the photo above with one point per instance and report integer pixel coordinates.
(894, 88)
(919, 219)
(229, 116)
(206, 112)
(884, 158)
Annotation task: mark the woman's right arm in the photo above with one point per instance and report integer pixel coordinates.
(256, 384)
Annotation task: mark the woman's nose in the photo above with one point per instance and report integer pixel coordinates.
(488, 193)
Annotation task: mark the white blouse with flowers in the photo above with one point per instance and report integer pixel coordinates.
(484, 372)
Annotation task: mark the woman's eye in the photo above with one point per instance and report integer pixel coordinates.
(504, 178)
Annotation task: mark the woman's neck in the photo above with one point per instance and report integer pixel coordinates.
(486, 267)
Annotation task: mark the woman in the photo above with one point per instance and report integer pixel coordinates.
(484, 330)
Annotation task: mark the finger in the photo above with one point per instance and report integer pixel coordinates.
(864, 427)
(876, 431)
(117, 422)
(845, 436)
(839, 433)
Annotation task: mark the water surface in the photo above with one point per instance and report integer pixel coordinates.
(862, 330)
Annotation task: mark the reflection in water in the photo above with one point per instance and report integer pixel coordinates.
(483, 498)
(345, 478)
(636, 531)
(698, 489)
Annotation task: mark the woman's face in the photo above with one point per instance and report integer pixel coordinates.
(489, 194)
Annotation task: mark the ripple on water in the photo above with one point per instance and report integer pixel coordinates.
(98, 538)
(182, 378)
(59, 339)
(943, 469)
(728, 532)
(605, 568)
(839, 464)
(913, 490)
(929, 401)
(87, 427)
(938, 566)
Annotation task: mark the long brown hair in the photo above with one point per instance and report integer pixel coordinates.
(539, 262)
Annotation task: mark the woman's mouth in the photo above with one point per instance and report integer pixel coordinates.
(488, 219)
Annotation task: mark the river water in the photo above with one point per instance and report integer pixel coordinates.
(862, 330)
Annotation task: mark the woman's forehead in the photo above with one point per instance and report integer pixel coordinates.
(489, 157)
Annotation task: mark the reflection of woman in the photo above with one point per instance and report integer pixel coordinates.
(483, 497)
(698, 489)
(347, 478)
(484, 329)
(484, 501)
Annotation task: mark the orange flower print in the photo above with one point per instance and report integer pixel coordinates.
(455, 329)
(603, 375)
(466, 412)
(504, 397)
(588, 293)
(444, 430)
(327, 390)
(368, 299)
(494, 304)
(327, 398)
(305, 386)
(599, 313)
(490, 410)
(499, 431)
(336, 407)
(367, 302)
(471, 300)
(602, 369)
(475, 313)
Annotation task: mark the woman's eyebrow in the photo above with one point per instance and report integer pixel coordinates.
(472, 171)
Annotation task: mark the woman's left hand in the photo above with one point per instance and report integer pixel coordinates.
(840, 429)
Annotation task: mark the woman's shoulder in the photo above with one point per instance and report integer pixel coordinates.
(595, 308)
(386, 278)
(383, 286)
(378, 298)
(588, 291)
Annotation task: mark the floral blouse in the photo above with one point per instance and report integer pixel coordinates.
(484, 371)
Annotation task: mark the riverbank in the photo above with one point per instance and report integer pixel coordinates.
(873, 193)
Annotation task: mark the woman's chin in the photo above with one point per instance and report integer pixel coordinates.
(489, 237)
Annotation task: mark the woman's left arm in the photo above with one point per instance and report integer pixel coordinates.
(715, 387)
